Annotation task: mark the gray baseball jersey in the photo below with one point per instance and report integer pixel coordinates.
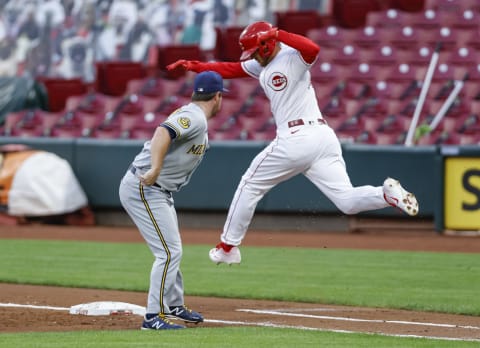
(186, 151)
(152, 207)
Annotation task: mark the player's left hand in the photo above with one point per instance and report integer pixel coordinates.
(183, 63)
(267, 35)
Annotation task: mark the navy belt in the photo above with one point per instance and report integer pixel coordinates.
(133, 170)
(301, 122)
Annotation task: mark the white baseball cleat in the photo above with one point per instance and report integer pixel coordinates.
(219, 255)
(398, 197)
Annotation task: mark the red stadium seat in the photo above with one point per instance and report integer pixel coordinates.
(467, 20)
(326, 72)
(385, 56)
(455, 6)
(408, 5)
(10, 121)
(390, 18)
(365, 73)
(463, 57)
(228, 49)
(67, 131)
(28, 123)
(366, 137)
(240, 88)
(98, 104)
(59, 89)
(324, 89)
(405, 38)
(347, 55)
(402, 72)
(258, 107)
(144, 126)
(443, 72)
(469, 124)
(385, 90)
(447, 36)
(390, 139)
(428, 19)
(113, 77)
(394, 124)
(472, 41)
(329, 36)
(28, 131)
(170, 53)
(107, 132)
(353, 13)
(470, 91)
(251, 122)
(367, 37)
(474, 73)
(421, 57)
(352, 127)
(263, 135)
(234, 133)
(49, 120)
(299, 22)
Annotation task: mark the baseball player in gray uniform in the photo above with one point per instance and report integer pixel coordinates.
(304, 144)
(164, 166)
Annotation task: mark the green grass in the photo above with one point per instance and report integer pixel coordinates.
(442, 282)
(225, 337)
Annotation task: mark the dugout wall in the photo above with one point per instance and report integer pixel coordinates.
(100, 164)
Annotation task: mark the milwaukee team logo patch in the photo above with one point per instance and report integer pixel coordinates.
(184, 122)
(277, 81)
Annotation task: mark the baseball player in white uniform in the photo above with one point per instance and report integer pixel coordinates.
(163, 167)
(304, 144)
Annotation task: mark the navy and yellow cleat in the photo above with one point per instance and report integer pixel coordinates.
(160, 322)
(185, 314)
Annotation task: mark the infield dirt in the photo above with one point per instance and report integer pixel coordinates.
(221, 312)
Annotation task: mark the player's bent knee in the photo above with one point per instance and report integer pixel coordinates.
(346, 208)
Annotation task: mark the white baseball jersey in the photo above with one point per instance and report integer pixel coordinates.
(305, 144)
(287, 84)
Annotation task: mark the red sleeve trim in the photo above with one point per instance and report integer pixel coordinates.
(307, 48)
(226, 69)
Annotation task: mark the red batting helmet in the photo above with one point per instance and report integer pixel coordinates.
(249, 40)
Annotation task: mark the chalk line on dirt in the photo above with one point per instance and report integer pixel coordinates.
(269, 324)
(327, 317)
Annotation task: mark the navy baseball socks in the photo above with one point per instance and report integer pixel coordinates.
(398, 197)
(224, 253)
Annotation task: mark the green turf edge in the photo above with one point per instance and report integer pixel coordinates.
(231, 337)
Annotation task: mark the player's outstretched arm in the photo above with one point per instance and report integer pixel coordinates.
(227, 70)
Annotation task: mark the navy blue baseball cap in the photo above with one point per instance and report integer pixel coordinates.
(208, 82)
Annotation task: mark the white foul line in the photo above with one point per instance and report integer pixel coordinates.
(326, 317)
(268, 324)
(33, 306)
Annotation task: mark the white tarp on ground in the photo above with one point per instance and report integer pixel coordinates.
(44, 185)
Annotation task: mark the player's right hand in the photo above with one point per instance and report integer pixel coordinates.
(267, 35)
(185, 64)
